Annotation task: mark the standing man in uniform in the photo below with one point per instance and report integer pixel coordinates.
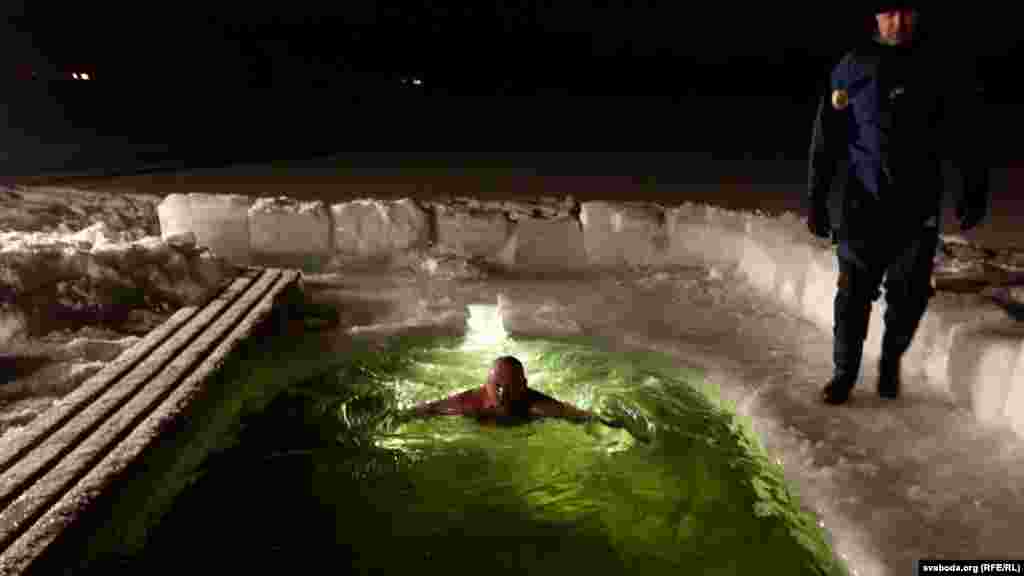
(889, 112)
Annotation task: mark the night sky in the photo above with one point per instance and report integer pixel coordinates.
(520, 47)
(163, 75)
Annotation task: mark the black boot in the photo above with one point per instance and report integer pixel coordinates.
(837, 391)
(899, 331)
(908, 290)
(889, 377)
(852, 313)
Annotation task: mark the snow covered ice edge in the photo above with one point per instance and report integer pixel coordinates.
(969, 352)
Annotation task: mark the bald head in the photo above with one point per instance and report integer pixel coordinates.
(507, 380)
(509, 364)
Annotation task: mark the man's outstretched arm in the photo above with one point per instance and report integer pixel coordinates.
(543, 405)
(452, 405)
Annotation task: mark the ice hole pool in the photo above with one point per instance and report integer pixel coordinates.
(327, 476)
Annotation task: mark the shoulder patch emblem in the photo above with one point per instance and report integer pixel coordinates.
(840, 99)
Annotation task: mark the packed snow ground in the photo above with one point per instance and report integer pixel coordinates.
(891, 481)
(82, 276)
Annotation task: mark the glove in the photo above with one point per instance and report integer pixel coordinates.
(969, 221)
(970, 214)
(973, 201)
(817, 220)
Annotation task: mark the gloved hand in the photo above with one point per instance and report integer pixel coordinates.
(970, 214)
(972, 204)
(817, 220)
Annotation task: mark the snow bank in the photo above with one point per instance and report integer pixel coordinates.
(542, 244)
(220, 222)
(12, 322)
(617, 235)
(706, 232)
(371, 230)
(964, 349)
(55, 209)
(96, 276)
(472, 233)
(283, 231)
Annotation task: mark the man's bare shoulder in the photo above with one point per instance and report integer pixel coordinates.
(472, 398)
(467, 401)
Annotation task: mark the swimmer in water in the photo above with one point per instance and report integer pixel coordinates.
(506, 395)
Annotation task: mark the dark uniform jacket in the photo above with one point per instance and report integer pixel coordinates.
(905, 114)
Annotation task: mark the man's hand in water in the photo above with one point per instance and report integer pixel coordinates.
(616, 415)
(544, 406)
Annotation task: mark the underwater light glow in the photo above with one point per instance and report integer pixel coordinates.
(485, 328)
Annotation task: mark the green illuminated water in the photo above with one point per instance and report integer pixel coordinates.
(331, 471)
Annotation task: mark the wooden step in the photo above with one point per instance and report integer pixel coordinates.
(51, 470)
